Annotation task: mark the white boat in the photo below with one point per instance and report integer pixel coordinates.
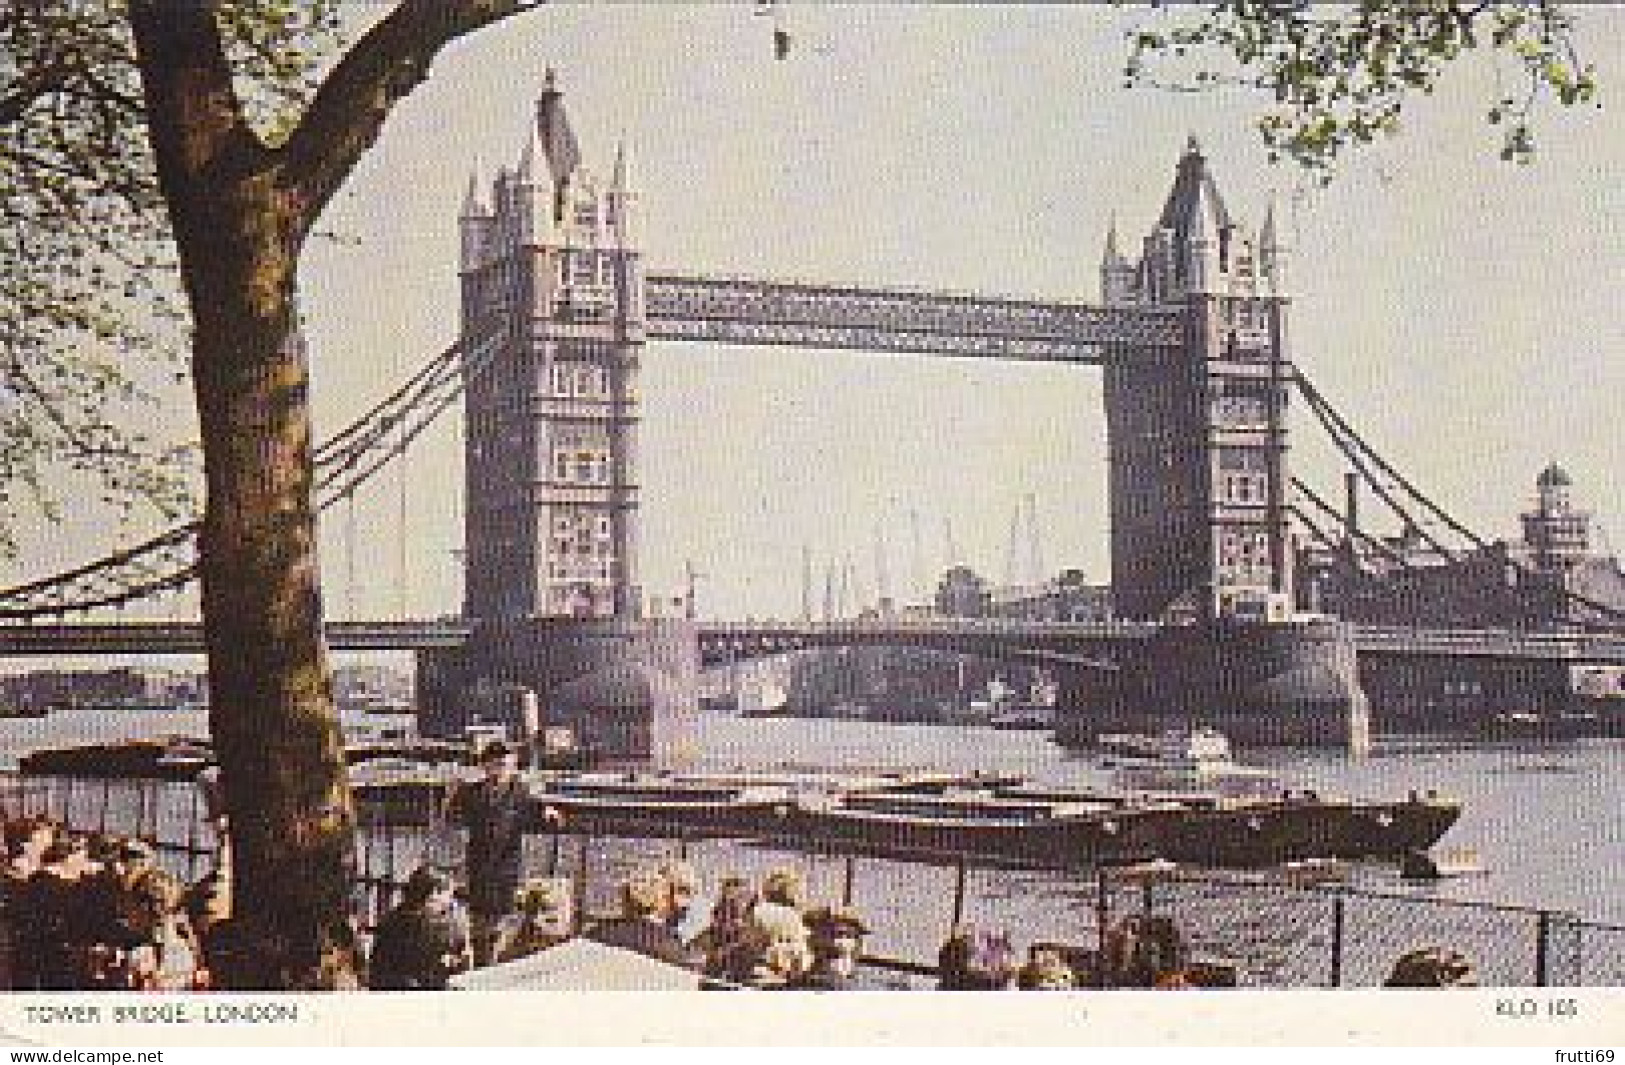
(1024, 715)
(1183, 760)
(1423, 865)
(775, 698)
(186, 756)
(1034, 709)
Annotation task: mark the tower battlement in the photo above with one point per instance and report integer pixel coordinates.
(1196, 247)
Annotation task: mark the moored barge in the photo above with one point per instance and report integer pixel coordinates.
(979, 824)
(1212, 830)
(632, 805)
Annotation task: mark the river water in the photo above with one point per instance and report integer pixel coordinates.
(1543, 818)
(1546, 819)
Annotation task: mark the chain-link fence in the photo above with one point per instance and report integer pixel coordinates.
(1282, 928)
(1599, 955)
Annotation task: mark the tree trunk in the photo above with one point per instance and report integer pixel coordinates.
(240, 210)
(238, 228)
(271, 703)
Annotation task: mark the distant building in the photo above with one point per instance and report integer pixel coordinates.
(1556, 536)
(1585, 586)
(1067, 597)
(963, 593)
(26, 694)
(1550, 578)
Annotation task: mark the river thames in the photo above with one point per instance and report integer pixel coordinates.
(1544, 818)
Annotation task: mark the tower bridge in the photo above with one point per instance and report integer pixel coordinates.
(557, 309)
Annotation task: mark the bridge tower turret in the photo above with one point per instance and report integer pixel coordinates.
(1116, 272)
(552, 277)
(473, 226)
(1197, 433)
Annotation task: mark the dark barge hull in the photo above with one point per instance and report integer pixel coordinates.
(1247, 835)
(1270, 834)
(416, 803)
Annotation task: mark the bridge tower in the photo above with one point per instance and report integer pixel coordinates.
(1197, 433)
(552, 332)
(551, 274)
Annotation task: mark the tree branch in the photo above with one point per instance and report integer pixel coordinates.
(194, 116)
(349, 109)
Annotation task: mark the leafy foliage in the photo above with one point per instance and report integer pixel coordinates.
(1340, 75)
(91, 308)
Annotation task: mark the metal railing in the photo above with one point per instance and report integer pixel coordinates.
(1268, 928)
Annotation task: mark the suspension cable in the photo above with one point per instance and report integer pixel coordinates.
(1318, 401)
(1344, 435)
(1353, 450)
(337, 440)
(427, 393)
(1364, 537)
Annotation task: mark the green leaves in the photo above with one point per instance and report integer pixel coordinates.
(277, 50)
(93, 323)
(1339, 76)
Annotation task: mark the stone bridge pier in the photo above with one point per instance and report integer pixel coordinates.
(1261, 685)
(623, 689)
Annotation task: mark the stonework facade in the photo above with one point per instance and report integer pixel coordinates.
(552, 329)
(1197, 432)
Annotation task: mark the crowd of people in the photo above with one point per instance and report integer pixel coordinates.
(95, 912)
(766, 935)
(754, 936)
(1138, 951)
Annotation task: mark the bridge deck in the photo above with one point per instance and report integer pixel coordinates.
(993, 632)
(186, 637)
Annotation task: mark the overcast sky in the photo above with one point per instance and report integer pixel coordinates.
(1464, 313)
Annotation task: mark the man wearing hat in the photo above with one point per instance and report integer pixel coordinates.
(837, 945)
(495, 810)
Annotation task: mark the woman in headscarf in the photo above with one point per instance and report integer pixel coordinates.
(543, 920)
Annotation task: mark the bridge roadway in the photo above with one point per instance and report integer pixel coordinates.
(722, 640)
(987, 635)
(186, 637)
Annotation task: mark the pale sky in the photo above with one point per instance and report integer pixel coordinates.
(1465, 314)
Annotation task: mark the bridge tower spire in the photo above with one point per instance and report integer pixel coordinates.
(473, 224)
(1196, 431)
(1116, 272)
(551, 276)
(1273, 253)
